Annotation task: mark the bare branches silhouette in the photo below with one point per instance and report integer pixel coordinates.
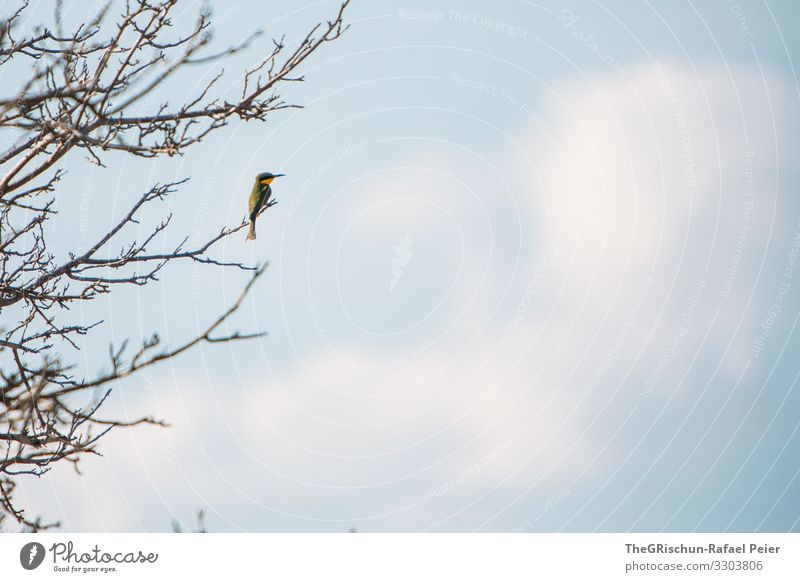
(95, 89)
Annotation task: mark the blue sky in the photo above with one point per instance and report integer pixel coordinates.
(534, 267)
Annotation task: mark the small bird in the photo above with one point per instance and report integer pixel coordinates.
(259, 198)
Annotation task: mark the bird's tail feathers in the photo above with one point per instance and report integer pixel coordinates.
(252, 234)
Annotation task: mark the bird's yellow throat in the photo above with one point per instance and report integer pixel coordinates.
(267, 181)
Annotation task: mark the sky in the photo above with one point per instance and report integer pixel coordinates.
(533, 267)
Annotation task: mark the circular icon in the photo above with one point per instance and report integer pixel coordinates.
(31, 555)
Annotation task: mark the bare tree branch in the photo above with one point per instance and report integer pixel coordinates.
(91, 91)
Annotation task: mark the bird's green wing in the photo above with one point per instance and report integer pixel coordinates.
(256, 200)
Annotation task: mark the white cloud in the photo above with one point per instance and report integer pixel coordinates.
(647, 185)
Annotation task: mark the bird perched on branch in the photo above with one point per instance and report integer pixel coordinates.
(259, 198)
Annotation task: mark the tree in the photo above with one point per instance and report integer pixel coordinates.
(85, 92)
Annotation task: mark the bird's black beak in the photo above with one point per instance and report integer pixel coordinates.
(277, 175)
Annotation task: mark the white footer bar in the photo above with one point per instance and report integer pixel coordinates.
(406, 557)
